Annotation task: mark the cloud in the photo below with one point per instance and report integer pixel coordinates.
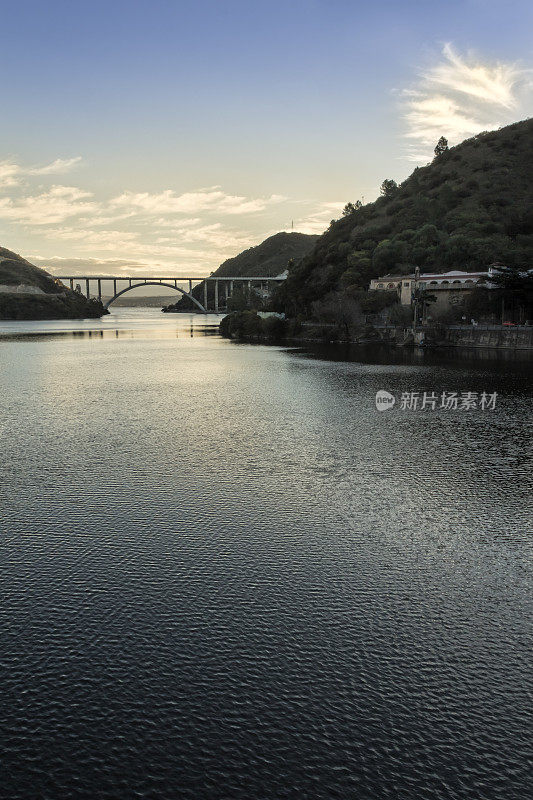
(59, 166)
(9, 174)
(12, 174)
(461, 96)
(212, 199)
(54, 206)
(492, 83)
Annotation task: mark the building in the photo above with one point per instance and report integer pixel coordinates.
(449, 288)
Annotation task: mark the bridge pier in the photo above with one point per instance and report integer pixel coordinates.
(227, 286)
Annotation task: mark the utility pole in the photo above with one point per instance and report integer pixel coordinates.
(416, 300)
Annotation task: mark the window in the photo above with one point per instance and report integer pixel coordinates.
(380, 286)
(406, 283)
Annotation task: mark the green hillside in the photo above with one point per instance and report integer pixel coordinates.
(28, 292)
(471, 207)
(269, 258)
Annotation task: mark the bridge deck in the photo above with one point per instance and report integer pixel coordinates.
(172, 278)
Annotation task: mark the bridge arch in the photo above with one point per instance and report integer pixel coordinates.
(157, 283)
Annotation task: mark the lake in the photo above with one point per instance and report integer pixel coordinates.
(225, 574)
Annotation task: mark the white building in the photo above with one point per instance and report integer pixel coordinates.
(446, 285)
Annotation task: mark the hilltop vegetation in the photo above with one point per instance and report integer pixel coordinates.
(269, 258)
(471, 207)
(28, 292)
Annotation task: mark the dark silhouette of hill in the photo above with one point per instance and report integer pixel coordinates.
(471, 207)
(28, 292)
(269, 258)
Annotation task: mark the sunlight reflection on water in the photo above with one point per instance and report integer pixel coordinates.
(225, 574)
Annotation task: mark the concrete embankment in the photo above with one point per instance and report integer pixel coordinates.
(501, 337)
(517, 337)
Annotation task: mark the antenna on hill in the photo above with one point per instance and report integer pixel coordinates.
(292, 224)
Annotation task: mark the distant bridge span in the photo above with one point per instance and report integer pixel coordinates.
(226, 283)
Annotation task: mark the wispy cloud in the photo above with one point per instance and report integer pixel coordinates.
(211, 199)
(57, 167)
(50, 207)
(12, 174)
(461, 96)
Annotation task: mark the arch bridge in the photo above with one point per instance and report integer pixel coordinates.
(223, 286)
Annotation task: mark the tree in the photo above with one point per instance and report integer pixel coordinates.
(343, 310)
(516, 290)
(388, 188)
(351, 208)
(388, 254)
(243, 299)
(441, 147)
(359, 272)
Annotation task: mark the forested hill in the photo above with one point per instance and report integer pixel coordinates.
(267, 259)
(270, 257)
(28, 292)
(472, 206)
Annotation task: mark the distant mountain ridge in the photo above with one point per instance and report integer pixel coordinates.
(29, 292)
(269, 258)
(471, 207)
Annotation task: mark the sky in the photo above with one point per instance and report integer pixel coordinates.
(163, 137)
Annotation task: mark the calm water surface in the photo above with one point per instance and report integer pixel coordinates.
(224, 574)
